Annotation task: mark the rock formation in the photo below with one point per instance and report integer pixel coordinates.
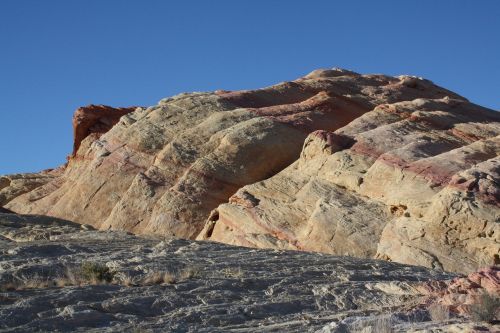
(460, 294)
(188, 286)
(94, 120)
(12, 186)
(413, 182)
(337, 162)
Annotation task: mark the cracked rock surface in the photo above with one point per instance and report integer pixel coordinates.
(225, 289)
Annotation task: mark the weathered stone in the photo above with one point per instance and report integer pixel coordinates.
(395, 168)
(413, 182)
(204, 286)
(95, 120)
(163, 169)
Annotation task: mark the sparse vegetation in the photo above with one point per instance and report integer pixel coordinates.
(233, 272)
(166, 277)
(190, 272)
(380, 324)
(439, 312)
(486, 309)
(92, 273)
(96, 272)
(159, 278)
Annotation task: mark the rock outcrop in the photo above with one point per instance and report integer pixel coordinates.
(414, 182)
(188, 286)
(12, 186)
(94, 120)
(337, 162)
(461, 294)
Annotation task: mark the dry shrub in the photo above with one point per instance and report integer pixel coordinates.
(486, 309)
(92, 273)
(233, 272)
(163, 277)
(439, 312)
(96, 272)
(87, 273)
(158, 278)
(188, 273)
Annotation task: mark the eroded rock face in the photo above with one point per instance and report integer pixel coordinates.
(12, 186)
(414, 182)
(95, 120)
(161, 170)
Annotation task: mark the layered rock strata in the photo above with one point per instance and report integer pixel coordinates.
(366, 165)
(94, 120)
(414, 181)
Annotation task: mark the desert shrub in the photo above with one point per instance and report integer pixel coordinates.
(166, 277)
(379, 324)
(486, 308)
(92, 271)
(190, 272)
(233, 272)
(158, 277)
(439, 312)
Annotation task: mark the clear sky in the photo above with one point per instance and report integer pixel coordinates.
(56, 55)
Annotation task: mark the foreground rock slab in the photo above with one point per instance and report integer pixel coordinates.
(188, 286)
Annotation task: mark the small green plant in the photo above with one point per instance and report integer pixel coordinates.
(486, 309)
(93, 271)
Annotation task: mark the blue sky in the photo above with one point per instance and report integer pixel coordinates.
(56, 55)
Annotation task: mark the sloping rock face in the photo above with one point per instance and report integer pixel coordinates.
(395, 168)
(414, 182)
(163, 169)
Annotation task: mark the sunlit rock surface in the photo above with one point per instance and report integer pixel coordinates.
(394, 168)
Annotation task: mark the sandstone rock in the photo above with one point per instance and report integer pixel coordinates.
(12, 186)
(163, 169)
(95, 120)
(413, 182)
(460, 294)
(5, 210)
